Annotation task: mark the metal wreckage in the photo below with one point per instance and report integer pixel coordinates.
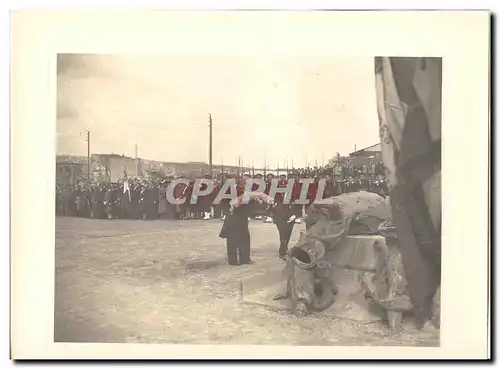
(382, 254)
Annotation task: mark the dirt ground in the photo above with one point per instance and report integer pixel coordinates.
(168, 282)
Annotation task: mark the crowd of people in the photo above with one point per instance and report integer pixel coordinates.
(344, 170)
(145, 198)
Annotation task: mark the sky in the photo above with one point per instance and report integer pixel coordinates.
(289, 110)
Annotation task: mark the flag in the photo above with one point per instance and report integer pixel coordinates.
(126, 189)
(409, 110)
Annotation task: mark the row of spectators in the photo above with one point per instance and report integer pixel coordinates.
(143, 198)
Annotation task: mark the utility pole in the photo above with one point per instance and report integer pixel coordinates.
(137, 164)
(210, 143)
(222, 169)
(88, 154)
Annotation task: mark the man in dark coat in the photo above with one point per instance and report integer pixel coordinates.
(269, 180)
(143, 206)
(284, 218)
(225, 205)
(60, 200)
(379, 186)
(69, 199)
(337, 187)
(350, 185)
(162, 200)
(116, 201)
(108, 202)
(329, 187)
(98, 202)
(87, 201)
(235, 229)
(147, 201)
(364, 183)
(135, 201)
(79, 202)
(297, 208)
(152, 201)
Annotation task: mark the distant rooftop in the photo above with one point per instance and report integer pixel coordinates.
(71, 159)
(367, 150)
(75, 159)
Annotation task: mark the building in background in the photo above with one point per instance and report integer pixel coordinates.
(113, 167)
(70, 169)
(371, 153)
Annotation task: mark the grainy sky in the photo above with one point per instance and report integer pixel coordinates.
(271, 109)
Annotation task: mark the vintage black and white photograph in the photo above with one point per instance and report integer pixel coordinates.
(229, 200)
(250, 185)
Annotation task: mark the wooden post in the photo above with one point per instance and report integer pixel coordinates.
(210, 143)
(88, 155)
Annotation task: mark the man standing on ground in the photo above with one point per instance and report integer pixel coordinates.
(297, 208)
(284, 218)
(269, 180)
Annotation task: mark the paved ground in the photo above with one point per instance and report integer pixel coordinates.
(168, 282)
